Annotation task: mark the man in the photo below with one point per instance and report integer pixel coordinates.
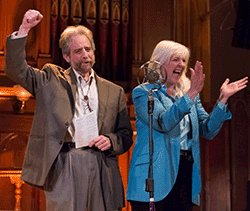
(74, 175)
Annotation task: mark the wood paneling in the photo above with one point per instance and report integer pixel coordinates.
(239, 145)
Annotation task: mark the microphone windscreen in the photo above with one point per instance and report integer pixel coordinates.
(152, 76)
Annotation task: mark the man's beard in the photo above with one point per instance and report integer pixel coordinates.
(83, 68)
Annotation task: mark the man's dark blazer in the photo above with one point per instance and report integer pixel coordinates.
(55, 91)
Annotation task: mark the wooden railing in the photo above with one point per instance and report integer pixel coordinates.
(14, 177)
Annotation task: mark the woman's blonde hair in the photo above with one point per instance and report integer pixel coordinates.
(163, 52)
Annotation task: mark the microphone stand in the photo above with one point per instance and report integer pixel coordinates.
(153, 75)
(150, 180)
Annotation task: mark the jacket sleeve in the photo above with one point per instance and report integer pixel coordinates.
(17, 69)
(166, 115)
(121, 136)
(210, 124)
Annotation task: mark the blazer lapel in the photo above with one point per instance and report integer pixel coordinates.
(69, 81)
(72, 82)
(103, 93)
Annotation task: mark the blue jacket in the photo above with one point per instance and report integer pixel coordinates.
(167, 114)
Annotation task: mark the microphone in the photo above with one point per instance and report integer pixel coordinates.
(152, 72)
(153, 75)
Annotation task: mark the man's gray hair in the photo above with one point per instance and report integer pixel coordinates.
(71, 31)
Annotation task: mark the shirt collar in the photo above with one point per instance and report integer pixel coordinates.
(79, 76)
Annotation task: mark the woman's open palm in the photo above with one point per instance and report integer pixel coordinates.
(228, 89)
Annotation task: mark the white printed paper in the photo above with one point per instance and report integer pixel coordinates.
(86, 129)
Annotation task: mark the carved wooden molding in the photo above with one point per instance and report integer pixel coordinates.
(104, 12)
(9, 100)
(7, 92)
(76, 11)
(137, 31)
(15, 179)
(91, 12)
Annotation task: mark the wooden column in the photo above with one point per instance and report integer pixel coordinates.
(15, 180)
(43, 33)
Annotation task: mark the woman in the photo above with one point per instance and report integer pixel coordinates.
(178, 121)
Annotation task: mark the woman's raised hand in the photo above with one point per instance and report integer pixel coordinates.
(228, 89)
(197, 80)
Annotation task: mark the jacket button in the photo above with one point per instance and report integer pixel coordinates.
(67, 124)
(60, 142)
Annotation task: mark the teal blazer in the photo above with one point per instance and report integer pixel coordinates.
(167, 114)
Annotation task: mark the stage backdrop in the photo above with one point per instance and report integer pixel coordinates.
(110, 22)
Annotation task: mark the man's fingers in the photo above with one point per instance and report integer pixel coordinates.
(104, 145)
(101, 142)
(33, 16)
(92, 143)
